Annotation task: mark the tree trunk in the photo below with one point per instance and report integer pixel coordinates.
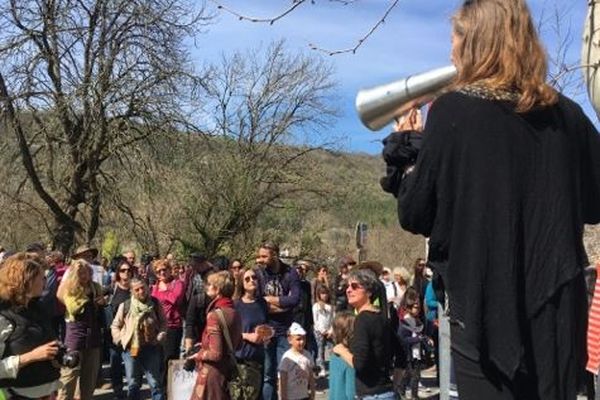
(63, 237)
(65, 231)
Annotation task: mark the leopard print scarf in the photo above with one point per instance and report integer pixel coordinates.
(483, 91)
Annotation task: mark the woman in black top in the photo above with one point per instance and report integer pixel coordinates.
(370, 346)
(507, 175)
(253, 313)
(120, 293)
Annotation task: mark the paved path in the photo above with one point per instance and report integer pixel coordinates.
(432, 392)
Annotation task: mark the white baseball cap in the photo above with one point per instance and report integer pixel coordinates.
(296, 329)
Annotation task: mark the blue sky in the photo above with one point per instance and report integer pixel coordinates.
(415, 38)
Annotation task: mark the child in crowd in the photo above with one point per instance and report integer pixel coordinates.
(323, 320)
(412, 337)
(342, 376)
(296, 381)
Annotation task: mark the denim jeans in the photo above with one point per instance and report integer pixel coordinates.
(116, 369)
(322, 344)
(149, 361)
(383, 396)
(273, 355)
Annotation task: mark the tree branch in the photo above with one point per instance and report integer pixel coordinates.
(28, 160)
(364, 38)
(270, 21)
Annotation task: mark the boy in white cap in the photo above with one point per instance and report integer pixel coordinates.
(296, 381)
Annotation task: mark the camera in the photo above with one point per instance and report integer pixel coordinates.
(66, 358)
(190, 365)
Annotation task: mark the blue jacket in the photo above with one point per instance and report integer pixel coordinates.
(431, 302)
(342, 378)
(284, 284)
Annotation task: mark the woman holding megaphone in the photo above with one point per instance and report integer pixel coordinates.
(502, 181)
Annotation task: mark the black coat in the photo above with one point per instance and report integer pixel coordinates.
(504, 198)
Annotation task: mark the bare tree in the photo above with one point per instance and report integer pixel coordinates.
(81, 82)
(266, 110)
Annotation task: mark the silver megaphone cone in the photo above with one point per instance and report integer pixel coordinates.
(379, 105)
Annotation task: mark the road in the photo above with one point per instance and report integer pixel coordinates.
(429, 392)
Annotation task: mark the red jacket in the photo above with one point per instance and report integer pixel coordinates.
(213, 361)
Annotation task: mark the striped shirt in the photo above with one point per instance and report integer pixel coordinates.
(593, 335)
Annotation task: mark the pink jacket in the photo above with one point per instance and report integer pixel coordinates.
(171, 301)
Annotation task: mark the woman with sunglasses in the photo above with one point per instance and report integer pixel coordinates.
(253, 312)
(170, 292)
(370, 347)
(120, 294)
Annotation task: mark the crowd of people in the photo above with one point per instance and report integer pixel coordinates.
(288, 324)
(502, 181)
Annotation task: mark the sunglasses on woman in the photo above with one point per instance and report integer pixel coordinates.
(124, 270)
(355, 286)
(250, 278)
(161, 271)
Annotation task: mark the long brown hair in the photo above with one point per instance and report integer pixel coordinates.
(498, 46)
(239, 282)
(343, 327)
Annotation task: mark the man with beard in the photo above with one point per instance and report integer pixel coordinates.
(280, 286)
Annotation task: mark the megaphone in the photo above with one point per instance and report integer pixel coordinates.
(379, 105)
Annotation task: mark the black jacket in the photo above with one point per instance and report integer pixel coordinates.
(504, 198)
(31, 328)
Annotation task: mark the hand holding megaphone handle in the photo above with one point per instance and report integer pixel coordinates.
(412, 120)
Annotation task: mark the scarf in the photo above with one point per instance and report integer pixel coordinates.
(481, 90)
(137, 311)
(412, 324)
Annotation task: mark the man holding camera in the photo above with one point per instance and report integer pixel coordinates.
(139, 326)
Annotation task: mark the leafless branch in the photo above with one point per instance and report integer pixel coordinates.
(269, 20)
(297, 3)
(363, 39)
